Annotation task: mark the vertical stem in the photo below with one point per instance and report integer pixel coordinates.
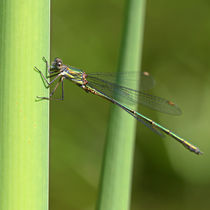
(114, 192)
(24, 122)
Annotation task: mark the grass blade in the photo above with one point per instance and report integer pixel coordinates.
(114, 192)
(24, 127)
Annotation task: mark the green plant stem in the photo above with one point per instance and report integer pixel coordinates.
(115, 187)
(24, 122)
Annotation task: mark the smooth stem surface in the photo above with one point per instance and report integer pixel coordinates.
(114, 192)
(24, 123)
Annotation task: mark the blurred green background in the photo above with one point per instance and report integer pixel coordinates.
(87, 34)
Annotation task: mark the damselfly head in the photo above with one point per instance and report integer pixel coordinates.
(57, 64)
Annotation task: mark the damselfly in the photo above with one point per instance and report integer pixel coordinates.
(104, 86)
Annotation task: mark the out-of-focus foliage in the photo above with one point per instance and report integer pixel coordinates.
(87, 35)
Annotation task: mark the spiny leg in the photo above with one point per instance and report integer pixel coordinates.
(62, 89)
(53, 91)
(60, 81)
(47, 66)
(49, 83)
